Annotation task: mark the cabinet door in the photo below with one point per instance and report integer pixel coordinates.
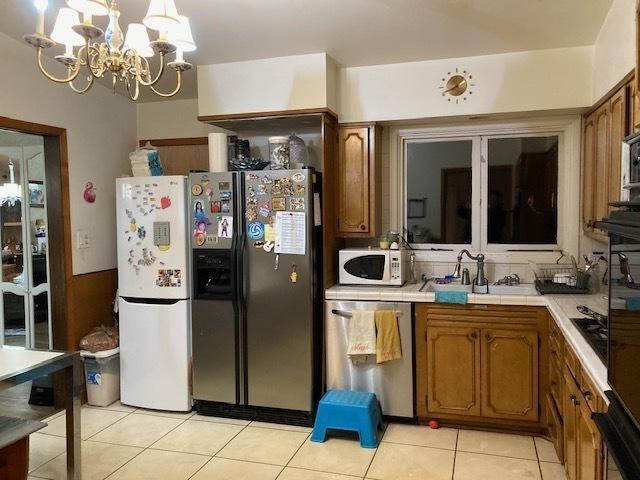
(589, 443)
(569, 390)
(354, 180)
(619, 129)
(510, 374)
(555, 427)
(588, 172)
(453, 370)
(602, 162)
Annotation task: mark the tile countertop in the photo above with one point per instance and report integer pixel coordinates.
(561, 307)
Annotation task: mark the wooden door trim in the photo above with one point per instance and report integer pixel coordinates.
(175, 142)
(55, 141)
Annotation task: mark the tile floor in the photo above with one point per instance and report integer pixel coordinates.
(123, 443)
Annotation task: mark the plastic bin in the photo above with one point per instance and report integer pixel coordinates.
(102, 376)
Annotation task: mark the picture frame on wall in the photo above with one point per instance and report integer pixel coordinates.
(416, 207)
(36, 194)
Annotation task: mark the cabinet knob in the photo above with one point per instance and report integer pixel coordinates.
(362, 226)
(488, 337)
(587, 394)
(473, 335)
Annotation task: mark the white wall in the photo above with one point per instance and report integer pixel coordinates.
(101, 130)
(511, 82)
(614, 50)
(272, 84)
(171, 119)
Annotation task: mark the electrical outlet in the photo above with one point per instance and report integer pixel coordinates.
(83, 239)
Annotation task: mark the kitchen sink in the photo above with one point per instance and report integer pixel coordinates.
(448, 287)
(522, 289)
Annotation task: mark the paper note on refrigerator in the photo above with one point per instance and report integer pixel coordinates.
(291, 233)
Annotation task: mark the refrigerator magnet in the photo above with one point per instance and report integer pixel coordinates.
(224, 186)
(298, 177)
(200, 227)
(251, 192)
(279, 204)
(266, 180)
(258, 244)
(198, 210)
(216, 206)
(276, 189)
(299, 190)
(209, 194)
(264, 209)
(268, 246)
(251, 215)
(225, 227)
(211, 238)
(255, 230)
(205, 180)
(165, 202)
(297, 204)
(262, 189)
(200, 239)
(196, 189)
(225, 195)
(225, 206)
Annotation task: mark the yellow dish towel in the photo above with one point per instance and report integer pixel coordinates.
(388, 338)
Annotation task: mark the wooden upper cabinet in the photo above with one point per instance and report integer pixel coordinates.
(588, 172)
(618, 131)
(358, 181)
(602, 162)
(510, 374)
(453, 370)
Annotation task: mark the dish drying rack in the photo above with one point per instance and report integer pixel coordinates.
(558, 278)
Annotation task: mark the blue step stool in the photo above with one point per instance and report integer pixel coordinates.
(348, 410)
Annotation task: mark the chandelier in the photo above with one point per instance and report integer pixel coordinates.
(10, 192)
(126, 58)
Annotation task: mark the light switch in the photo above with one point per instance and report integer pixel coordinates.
(83, 239)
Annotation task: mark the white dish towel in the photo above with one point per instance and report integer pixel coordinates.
(361, 335)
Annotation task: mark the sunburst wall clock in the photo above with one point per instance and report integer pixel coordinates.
(457, 85)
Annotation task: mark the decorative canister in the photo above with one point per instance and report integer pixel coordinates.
(297, 151)
(279, 153)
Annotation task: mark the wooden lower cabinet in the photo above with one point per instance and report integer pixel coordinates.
(483, 366)
(582, 441)
(510, 374)
(453, 353)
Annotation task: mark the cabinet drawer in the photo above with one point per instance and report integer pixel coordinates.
(572, 362)
(555, 427)
(590, 393)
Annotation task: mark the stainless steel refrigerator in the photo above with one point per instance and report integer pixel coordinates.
(257, 299)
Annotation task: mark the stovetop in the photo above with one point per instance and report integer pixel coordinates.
(595, 333)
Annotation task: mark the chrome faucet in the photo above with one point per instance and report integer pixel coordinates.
(480, 280)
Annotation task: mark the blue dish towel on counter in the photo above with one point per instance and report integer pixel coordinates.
(451, 297)
(633, 304)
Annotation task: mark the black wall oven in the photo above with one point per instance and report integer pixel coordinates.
(620, 426)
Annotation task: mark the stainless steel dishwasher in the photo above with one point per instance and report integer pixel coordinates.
(392, 382)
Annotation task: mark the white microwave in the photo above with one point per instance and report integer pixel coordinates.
(363, 266)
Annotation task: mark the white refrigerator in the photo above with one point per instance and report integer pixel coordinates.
(154, 292)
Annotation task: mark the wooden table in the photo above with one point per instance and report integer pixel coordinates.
(20, 365)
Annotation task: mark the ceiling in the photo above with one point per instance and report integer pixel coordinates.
(355, 32)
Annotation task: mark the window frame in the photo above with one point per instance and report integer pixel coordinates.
(475, 193)
(567, 127)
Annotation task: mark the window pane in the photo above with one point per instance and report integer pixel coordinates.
(439, 192)
(523, 190)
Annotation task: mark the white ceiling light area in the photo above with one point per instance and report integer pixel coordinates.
(357, 32)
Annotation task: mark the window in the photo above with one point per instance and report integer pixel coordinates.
(494, 193)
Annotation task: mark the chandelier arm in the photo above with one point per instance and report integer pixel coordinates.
(176, 90)
(89, 49)
(135, 95)
(85, 89)
(159, 74)
(70, 78)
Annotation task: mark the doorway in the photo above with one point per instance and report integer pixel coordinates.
(25, 300)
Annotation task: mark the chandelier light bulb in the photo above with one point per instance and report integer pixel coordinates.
(41, 5)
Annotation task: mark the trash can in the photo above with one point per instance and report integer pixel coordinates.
(102, 376)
